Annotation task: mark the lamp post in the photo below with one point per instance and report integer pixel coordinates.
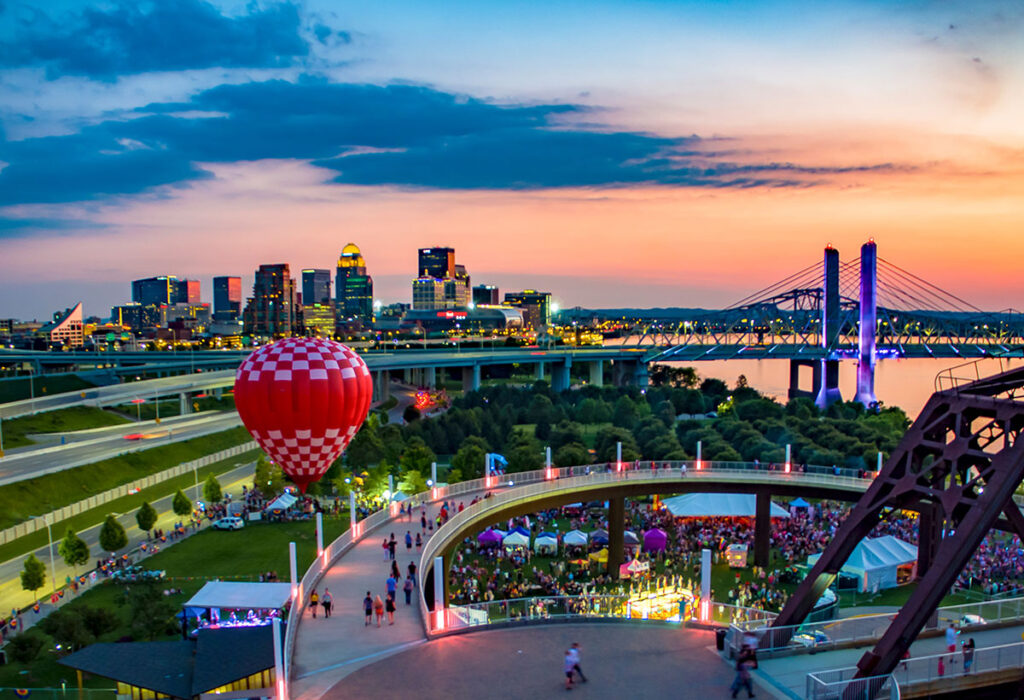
(49, 537)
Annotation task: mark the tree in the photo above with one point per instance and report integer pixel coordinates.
(469, 460)
(571, 455)
(151, 613)
(543, 429)
(211, 490)
(626, 414)
(411, 414)
(146, 517)
(73, 550)
(181, 505)
(565, 433)
(24, 648)
(524, 458)
(67, 627)
(592, 410)
(412, 483)
(605, 445)
(417, 456)
(33, 576)
(366, 447)
(268, 478)
(112, 535)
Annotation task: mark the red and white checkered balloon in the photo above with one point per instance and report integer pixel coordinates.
(303, 399)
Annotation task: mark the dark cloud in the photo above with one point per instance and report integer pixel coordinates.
(167, 35)
(12, 227)
(398, 135)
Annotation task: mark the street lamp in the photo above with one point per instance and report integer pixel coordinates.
(49, 537)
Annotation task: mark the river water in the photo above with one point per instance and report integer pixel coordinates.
(903, 383)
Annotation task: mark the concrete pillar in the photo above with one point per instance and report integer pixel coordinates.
(407, 375)
(597, 373)
(560, 375)
(538, 371)
(829, 392)
(429, 377)
(218, 392)
(616, 535)
(762, 529)
(868, 322)
(640, 376)
(185, 403)
(471, 378)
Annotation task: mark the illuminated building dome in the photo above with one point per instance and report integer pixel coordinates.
(351, 257)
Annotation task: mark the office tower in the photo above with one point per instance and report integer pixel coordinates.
(316, 287)
(135, 317)
(154, 291)
(536, 306)
(436, 262)
(427, 293)
(227, 298)
(186, 292)
(485, 295)
(353, 287)
(66, 328)
(270, 312)
(318, 320)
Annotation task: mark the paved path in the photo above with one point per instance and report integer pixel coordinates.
(620, 661)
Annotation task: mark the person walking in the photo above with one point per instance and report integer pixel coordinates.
(746, 661)
(368, 608)
(567, 664)
(378, 609)
(389, 606)
(419, 542)
(392, 543)
(327, 601)
(968, 650)
(314, 602)
(951, 641)
(408, 541)
(408, 589)
(392, 585)
(575, 651)
(385, 546)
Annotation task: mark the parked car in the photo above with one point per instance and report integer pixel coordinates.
(229, 523)
(810, 639)
(971, 620)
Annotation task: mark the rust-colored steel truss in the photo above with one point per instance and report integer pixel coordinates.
(958, 465)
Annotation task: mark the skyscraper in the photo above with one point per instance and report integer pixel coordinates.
(186, 292)
(270, 312)
(436, 262)
(154, 291)
(227, 298)
(353, 288)
(485, 295)
(536, 306)
(316, 287)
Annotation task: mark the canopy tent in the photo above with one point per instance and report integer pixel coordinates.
(545, 542)
(516, 539)
(600, 557)
(490, 538)
(599, 537)
(629, 538)
(241, 595)
(875, 562)
(521, 530)
(799, 503)
(633, 567)
(718, 505)
(655, 540)
(575, 538)
(283, 502)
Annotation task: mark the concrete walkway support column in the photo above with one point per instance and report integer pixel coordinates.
(184, 402)
(429, 377)
(381, 385)
(597, 373)
(640, 376)
(471, 378)
(616, 535)
(560, 375)
(763, 529)
(538, 371)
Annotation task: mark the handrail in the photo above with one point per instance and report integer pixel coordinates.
(535, 482)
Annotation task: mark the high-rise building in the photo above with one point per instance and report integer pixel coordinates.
(485, 295)
(427, 293)
(536, 306)
(227, 298)
(66, 328)
(270, 312)
(436, 262)
(154, 291)
(316, 287)
(135, 317)
(353, 287)
(186, 292)
(318, 320)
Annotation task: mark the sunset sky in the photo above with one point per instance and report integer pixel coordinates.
(614, 153)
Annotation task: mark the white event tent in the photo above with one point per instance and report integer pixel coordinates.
(875, 562)
(575, 538)
(516, 539)
(718, 505)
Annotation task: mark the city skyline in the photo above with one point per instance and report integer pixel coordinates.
(655, 154)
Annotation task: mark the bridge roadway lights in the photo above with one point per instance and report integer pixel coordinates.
(616, 535)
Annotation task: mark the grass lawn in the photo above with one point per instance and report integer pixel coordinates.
(243, 554)
(46, 493)
(19, 388)
(590, 431)
(95, 516)
(60, 421)
(895, 597)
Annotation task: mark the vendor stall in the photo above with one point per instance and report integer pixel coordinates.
(633, 568)
(516, 539)
(223, 604)
(655, 540)
(575, 538)
(546, 543)
(490, 538)
(883, 562)
(598, 537)
(600, 557)
(718, 505)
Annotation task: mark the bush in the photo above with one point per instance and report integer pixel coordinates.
(24, 648)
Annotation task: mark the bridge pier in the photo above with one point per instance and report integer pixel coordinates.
(429, 377)
(560, 379)
(597, 373)
(828, 393)
(184, 403)
(868, 324)
(762, 529)
(471, 378)
(409, 375)
(538, 371)
(794, 378)
(616, 535)
(381, 385)
(629, 373)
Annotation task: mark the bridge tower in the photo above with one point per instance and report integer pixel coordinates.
(828, 393)
(868, 324)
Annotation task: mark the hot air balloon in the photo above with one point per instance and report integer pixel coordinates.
(303, 399)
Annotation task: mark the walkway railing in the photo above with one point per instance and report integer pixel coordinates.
(509, 488)
(870, 628)
(839, 684)
(925, 669)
